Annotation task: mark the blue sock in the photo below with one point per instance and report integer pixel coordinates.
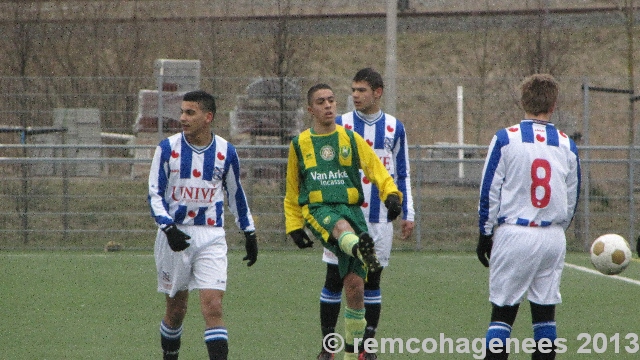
(498, 330)
(372, 305)
(170, 341)
(330, 297)
(329, 310)
(217, 341)
(544, 330)
(372, 296)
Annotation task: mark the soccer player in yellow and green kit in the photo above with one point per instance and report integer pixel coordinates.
(324, 193)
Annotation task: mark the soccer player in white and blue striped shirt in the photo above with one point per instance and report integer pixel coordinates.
(386, 135)
(191, 174)
(528, 196)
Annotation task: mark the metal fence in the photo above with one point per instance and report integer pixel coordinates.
(59, 193)
(63, 202)
(426, 105)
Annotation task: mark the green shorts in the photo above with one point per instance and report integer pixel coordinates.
(322, 218)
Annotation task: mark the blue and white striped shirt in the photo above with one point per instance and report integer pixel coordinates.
(531, 177)
(186, 184)
(388, 139)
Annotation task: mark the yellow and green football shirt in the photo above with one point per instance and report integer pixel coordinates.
(324, 169)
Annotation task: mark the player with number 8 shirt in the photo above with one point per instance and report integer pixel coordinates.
(528, 196)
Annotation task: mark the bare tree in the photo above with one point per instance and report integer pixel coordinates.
(19, 59)
(483, 65)
(71, 48)
(62, 53)
(284, 58)
(533, 48)
(538, 48)
(120, 55)
(284, 52)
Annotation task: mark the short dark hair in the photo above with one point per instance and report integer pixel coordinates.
(539, 93)
(315, 88)
(370, 76)
(206, 100)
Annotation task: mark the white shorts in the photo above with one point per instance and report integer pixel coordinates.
(526, 260)
(382, 234)
(203, 265)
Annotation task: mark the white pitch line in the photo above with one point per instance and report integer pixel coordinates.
(591, 271)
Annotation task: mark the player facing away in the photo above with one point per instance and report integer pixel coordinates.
(528, 196)
(324, 193)
(387, 137)
(190, 173)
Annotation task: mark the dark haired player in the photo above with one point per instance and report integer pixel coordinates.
(190, 175)
(324, 193)
(386, 135)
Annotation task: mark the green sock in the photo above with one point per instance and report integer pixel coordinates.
(347, 241)
(354, 324)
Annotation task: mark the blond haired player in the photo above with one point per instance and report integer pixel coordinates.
(528, 196)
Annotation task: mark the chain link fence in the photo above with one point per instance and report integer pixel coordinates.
(63, 190)
(55, 203)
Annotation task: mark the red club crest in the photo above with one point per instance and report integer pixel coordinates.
(369, 142)
(513, 129)
(211, 221)
(174, 154)
(365, 205)
(348, 127)
(365, 180)
(191, 213)
(196, 173)
(220, 156)
(540, 138)
(563, 134)
(389, 128)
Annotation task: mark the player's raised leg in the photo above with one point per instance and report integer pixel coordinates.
(360, 247)
(367, 252)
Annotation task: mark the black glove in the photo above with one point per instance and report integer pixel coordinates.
(177, 239)
(393, 206)
(301, 238)
(251, 245)
(485, 243)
